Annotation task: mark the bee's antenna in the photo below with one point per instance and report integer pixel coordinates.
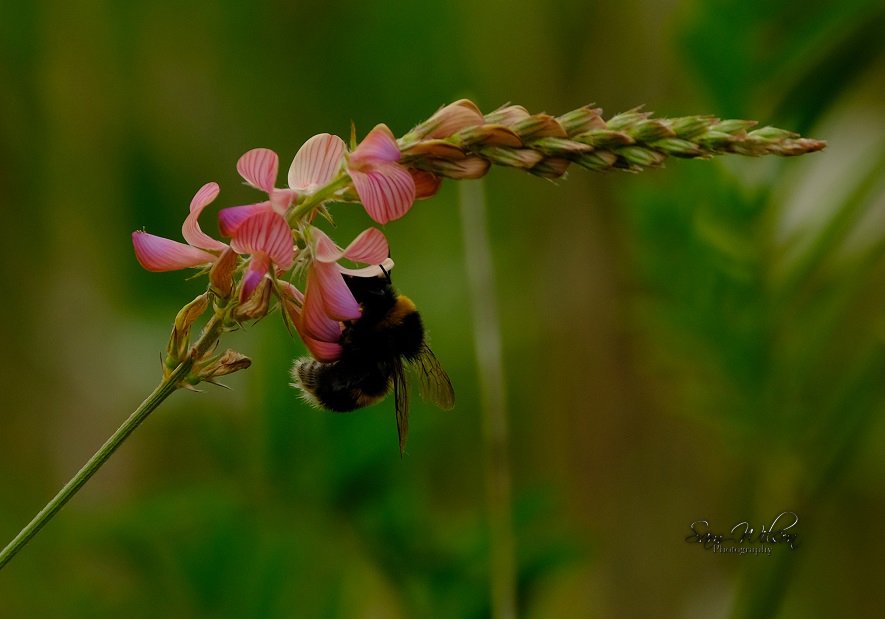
(386, 272)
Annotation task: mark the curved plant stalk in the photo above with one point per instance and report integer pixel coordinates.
(177, 378)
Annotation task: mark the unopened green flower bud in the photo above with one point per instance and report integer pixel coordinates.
(539, 126)
(179, 340)
(734, 126)
(513, 157)
(649, 130)
(581, 120)
(462, 169)
(639, 157)
(507, 115)
(227, 363)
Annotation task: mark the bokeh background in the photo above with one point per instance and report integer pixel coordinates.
(705, 341)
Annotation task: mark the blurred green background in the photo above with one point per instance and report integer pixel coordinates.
(705, 341)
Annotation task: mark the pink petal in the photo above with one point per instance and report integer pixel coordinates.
(378, 146)
(370, 247)
(259, 168)
(230, 219)
(315, 320)
(281, 199)
(191, 230)
(316, 163)
(426, 183)
(325, 248)
(322, 351)
(156, 253)
(266, 233)
(338, 301)
(387, 191)
(258, 267)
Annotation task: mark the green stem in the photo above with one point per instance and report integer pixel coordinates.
(315, 199)
(167, 386)
(487, 336)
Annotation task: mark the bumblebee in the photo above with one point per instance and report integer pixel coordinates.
(376, 348)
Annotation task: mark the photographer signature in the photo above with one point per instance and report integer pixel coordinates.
(778, 532)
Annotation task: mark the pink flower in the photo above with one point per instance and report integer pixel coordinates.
(261, 229)
(328, 302)
(265, 236)
(385, 188)
(156, 253)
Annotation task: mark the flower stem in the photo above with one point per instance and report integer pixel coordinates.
(167, 386)
(487, 337)
(317, 198)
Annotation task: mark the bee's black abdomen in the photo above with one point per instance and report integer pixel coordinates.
(341, 386)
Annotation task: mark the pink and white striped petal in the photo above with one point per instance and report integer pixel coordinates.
(317, 322)
(282, 199)
(259, 167)
(378, 146)
(387, 191)
(156, 253)
(293, 302)
(230, 219)
(338, 302)
(316, 162)
(191, 230)
(266, 233)
(369, 247)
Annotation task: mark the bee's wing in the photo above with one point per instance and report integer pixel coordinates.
(401, 396)
(433, 381)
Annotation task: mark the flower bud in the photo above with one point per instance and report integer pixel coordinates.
(560, 146)
(256, 305)
(598, 160)
(581, 120)
(426, 183)
(513, 157)
(221, 274)
(438, 149)
(539, 126)
(176, 351)
(489, 135)
(688, 127)
(678, 147)
(639, 157)
(604, 138)
(463, 169)
(228, 363)
(507, 115)
(449, 120)
(739, 127)
(551, 168)
(649, 130)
